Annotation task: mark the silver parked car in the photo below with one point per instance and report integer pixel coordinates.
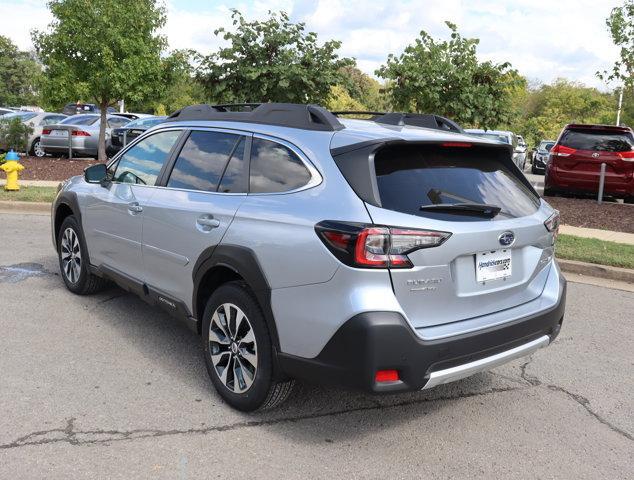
(364, 253)
(37, 121)
(83, 130)
(504, 136)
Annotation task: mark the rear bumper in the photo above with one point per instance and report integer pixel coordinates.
(373, 341)
(573, 182)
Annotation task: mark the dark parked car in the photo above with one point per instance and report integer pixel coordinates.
(540, 157)
(574, 164)
(124, 135)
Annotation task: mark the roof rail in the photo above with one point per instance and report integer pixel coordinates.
(412, 119)
(293, 115)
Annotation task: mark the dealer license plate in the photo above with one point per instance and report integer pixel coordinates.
(493, 265)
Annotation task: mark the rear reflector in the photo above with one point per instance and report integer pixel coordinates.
(384, 376)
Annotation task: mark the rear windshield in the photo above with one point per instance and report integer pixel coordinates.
(80, 120)
(546, 146)
(498, 137)
(410, 177)
(601, 140)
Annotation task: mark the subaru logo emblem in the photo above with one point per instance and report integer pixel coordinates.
(506, 239)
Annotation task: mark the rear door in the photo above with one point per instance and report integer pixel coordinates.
(192, 209)
(581, 151)
(488, 264)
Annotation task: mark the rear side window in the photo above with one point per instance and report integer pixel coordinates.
(275, 168)
(600, 140)
(413, 176)
(203, 159)
(142, 163)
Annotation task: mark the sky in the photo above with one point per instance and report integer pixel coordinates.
(542, 39)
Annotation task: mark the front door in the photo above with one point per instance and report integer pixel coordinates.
(113, 214)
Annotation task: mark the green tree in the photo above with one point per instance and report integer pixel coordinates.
(621, 26)
(102, 51)
(446, 78)
(273, 60)
(544, 110)
(14, 134)
(364, 89)
(20, 75)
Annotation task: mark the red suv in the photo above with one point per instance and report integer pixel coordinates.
(574, 163)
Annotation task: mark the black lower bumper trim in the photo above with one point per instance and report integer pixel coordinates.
(374, 341)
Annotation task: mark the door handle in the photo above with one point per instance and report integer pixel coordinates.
(207, 222)
(134, 207)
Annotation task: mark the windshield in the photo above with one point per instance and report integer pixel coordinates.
(546, 146)
(80, 120)
(24, 116)
(411, 177)
(145, 122)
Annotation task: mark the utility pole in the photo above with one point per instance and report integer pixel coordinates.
(618, 112)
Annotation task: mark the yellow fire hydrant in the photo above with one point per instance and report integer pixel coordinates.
(12, 167)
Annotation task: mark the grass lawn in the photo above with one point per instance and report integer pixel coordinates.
(595, 251)
(29, 194)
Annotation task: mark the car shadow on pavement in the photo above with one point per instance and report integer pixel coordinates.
(176, 352)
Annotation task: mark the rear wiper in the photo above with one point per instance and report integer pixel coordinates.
(479, 209)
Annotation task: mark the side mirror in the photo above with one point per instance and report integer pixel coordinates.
(95, 173)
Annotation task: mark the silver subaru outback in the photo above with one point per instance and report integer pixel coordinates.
(388, 254)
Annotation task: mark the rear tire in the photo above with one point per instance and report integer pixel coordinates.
(629, 199)
(238, 350)
(73, 260)
(36, 149)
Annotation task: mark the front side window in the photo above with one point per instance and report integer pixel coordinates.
(275, 168)
(203, 160)
(142, 163)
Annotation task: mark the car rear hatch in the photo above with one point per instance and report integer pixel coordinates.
(491, 261)
(581, 150)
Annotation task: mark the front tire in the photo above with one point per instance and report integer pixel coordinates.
(238, 350)
(73, 260)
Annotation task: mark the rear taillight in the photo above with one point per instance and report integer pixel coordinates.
(562, 151)
(366, 246)
(457, 144)
(552, 224)
(80, 133)
(627, 156)
(46, 131)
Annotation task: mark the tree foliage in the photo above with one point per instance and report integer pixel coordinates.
(272, 60)
(446, 78)
(20, 75)
(621, 26)
(102, 51)
(363, 89)
(542, 112)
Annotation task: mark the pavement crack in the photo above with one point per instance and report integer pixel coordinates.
(585, 403)
(531, 379)
(69, 434)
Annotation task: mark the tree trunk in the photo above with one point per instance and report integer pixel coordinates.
(101, 149)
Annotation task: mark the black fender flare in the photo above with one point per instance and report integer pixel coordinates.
(243, 261)
(69, 199)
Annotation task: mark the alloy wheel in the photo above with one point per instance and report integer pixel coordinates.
(71, 255)
(38, 150)
(233, 348)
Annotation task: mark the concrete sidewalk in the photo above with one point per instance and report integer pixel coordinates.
(607, 235)
(34, 183)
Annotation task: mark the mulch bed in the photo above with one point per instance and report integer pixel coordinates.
(588, 213)
(50, 168)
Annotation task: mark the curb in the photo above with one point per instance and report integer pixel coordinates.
(25, 207)
(594, 270)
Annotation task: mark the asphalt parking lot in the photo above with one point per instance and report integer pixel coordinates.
(106, 387)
